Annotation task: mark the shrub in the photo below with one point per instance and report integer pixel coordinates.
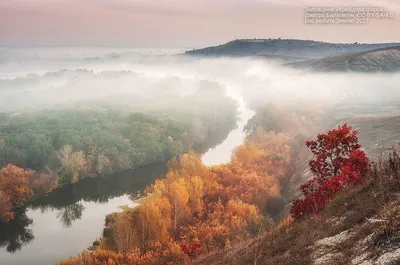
(339, 164)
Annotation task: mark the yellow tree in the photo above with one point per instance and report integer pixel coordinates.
(152, 220)
(123, 233)
(196, 193)
(190, 165)
(73, 164)
(179, 198)
(248, 155)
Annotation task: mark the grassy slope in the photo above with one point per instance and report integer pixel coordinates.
(385, 60)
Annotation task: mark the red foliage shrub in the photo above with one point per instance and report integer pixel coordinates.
(192, 250)
(339, 164)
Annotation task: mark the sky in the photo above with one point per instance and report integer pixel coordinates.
(180, 23)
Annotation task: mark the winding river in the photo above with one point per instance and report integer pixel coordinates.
(69, 219)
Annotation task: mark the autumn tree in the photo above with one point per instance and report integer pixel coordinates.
(14, 183)
(278, 152)
(102, 162)
(73, 164)
(179, 198)
(44, 181)
(151, 220)
(196, 193)
(256, 169)
(123, 233)
(339, 164)
(332, 151)
(14, 190)
(249, 186)
(188, 165)
(232, 220)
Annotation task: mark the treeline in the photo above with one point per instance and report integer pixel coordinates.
(198, 209)
(59, 146)
(78, 143)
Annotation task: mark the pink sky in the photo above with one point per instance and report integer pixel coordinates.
(179, 23)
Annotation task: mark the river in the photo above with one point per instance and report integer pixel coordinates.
(69, 219)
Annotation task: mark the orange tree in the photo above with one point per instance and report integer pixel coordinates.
(15, 190)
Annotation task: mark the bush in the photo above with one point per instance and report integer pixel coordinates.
(339, 164)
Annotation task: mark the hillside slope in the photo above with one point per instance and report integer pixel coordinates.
(284, 47)
(378, 60)
(360, 227)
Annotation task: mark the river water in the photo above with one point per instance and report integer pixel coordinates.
(69, 219)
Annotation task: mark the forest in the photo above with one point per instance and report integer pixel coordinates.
(41, 149)
(197, 210)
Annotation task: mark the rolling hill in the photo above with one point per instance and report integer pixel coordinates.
(284, 47)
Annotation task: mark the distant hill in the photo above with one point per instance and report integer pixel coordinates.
(284, 47)
(378, 60)
(282, 59)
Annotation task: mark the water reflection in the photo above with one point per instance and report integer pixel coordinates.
(99, 190)
(70, 213)
(68, 201)
(74, 215)
(16, 233)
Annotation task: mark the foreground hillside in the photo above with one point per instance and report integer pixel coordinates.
(378, 60)
(284, 47)
(360, 227)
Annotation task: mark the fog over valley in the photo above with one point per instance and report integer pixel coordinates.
(57, 77)
(165, 156)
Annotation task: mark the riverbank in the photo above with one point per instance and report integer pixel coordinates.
(67, 211)
(68, 145)
(190, 212)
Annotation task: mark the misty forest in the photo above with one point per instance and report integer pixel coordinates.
(267, 151)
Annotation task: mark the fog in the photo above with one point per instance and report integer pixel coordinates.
(160, 80)
(146, 79)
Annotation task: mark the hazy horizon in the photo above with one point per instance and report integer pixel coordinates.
(177, 48)
(178, 23)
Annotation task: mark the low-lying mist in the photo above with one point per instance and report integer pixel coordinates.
(140, 79)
